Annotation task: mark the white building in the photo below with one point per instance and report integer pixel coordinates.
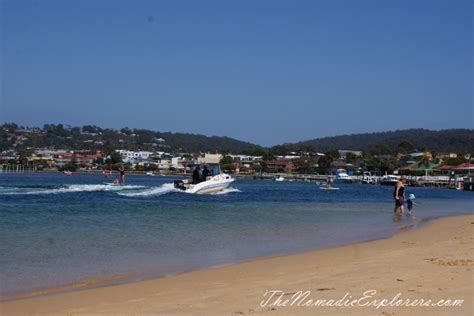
(343, 153)
(209, 159)
(178, 163)
(134, 156)
(164, 164)
(46, 153)
(245, 158)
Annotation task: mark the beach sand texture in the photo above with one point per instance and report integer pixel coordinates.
(434, 262)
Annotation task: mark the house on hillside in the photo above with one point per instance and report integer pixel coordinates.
(462, 169)
(280, 165)
(343, 153)
(209, 158)
(134, 156)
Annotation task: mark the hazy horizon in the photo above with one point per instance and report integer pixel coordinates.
(266, 73)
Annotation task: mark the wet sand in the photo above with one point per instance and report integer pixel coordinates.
(433, 262)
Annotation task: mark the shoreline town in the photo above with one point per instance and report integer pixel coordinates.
(91, 149)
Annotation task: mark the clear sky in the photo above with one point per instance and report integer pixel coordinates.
(263, 71)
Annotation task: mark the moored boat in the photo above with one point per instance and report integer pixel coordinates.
(343, 177)
(389, 179)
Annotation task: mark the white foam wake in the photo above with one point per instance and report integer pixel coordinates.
(162, 189)
(73, 188)
(226, 191)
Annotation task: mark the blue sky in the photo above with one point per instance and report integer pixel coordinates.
(263, 71)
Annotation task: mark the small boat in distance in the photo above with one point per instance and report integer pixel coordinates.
(67, 173)
(389, 179)
(342, 176)
(279, 179)
(368, 178)
(150, 174)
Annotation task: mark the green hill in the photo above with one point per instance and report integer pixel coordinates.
(456, 140)
(93, 137)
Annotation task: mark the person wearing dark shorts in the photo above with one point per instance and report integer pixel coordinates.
(122, 174)
(399, 195)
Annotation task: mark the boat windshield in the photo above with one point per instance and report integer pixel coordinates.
(215, 169)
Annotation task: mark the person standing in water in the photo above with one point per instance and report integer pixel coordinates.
(410, 203)
(122, 174)
(399, 195)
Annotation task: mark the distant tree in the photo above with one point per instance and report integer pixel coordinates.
(227, 164)
(255, 151)
(334, 154)
(71, 166)
(89, 129)
(351, 158)
(386, 166)
(99, 160)
(306, 148)
(226, 160)
(380, 149)
(324, 164)
(126, 131)
(377, 164)
(304, 164)
(454, 161)
(75, 131)
(10, 127)
(139, 167)
(279, 150)
(115, 158)
(268, 156)
(405, 147)
(256, 167)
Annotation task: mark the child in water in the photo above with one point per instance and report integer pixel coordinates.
(410, 203)
(116, 180)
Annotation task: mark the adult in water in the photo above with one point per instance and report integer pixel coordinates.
(399, 195)
(122, 174)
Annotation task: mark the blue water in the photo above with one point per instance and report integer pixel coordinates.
(57, 230)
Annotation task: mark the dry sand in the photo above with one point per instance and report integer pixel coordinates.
(433, 262)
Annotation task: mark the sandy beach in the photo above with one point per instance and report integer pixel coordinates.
(433, 262)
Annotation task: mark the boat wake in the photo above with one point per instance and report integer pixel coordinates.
(66, 189)
(162, 189)
(127, 190)
(168, 188)
(226, 191)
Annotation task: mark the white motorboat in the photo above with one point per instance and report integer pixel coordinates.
(279, 179)
(150, 174)
(342, 176)
(212, 184)
(389, 179)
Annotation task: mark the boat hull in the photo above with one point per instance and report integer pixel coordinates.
(212, 185)
(210, 188)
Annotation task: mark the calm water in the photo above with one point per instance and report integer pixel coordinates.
(56, 230)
